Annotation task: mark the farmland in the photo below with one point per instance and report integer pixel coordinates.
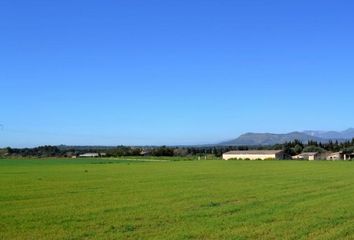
(133, 199)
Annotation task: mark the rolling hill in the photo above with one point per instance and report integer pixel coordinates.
(272, 138)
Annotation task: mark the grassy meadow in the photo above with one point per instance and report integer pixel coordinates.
(132, 199)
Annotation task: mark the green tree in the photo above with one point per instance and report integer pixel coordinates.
(298, 149)
(313, 148)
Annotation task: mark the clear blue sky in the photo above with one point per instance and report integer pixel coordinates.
(172, 72)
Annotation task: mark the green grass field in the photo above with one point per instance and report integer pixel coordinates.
(118, 199)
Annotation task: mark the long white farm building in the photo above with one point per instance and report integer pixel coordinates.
(254, 154)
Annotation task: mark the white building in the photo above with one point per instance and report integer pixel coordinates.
(335, 156)
(308, 156)
(254, 154)
(88, 155)
(348, 156)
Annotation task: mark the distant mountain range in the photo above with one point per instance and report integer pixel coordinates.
(347, 134)
(272, 138)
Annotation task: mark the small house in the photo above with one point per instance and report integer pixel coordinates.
(308, 156)
(348, 156)
(335, 156)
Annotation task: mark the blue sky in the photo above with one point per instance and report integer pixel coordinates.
(172, 72)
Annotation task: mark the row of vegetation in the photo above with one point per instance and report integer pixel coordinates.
(291, 148)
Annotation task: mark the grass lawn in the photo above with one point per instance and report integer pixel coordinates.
(118, 199)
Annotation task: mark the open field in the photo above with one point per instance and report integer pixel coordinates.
(118, 199)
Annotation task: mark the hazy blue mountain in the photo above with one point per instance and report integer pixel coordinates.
(271, 138)
(347, 134)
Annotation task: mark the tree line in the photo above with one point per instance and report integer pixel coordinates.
(291, 148)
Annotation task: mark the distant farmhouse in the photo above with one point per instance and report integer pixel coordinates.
(255, 154)
(280, 155)
(348, 156)
(92, 155)
(340, 156)
(145, 153)
(335, 156)
(324, 156)
(308, 156)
